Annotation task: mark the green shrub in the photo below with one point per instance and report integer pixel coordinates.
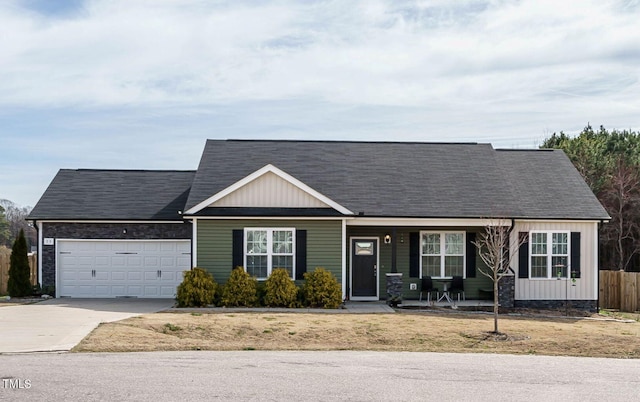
(321, 289)
(280, 290)
(198, 289)
(240, 290)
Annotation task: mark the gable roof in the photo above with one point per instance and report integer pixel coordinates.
(312, 197)
(402, 179)
(85, 194)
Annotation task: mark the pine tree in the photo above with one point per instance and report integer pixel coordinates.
(19, 284)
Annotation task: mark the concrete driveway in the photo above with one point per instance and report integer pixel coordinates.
(60, 324)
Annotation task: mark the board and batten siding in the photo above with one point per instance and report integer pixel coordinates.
(214, 248)
(553, 289)
(270, 191)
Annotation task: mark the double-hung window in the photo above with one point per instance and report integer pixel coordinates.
(549, 254)
(267, 249)
(442, 254)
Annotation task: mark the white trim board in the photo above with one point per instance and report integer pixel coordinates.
(283, 218)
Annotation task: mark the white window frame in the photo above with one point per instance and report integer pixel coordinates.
(442, 254)
(270, 254)
(551, 273)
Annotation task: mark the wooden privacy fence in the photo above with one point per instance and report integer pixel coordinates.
(5, 263)
(619, 290)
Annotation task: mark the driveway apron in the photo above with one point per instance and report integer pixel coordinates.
(60, 324)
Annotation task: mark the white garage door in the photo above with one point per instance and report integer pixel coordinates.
(121, 268)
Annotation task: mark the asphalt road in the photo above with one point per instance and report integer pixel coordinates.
(319, 376)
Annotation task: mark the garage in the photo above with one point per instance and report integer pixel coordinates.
(121, 268)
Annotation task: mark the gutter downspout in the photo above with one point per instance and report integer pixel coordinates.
(345, 290)
(513, 226)
(598, 270)
(39, 248)
(194, 242)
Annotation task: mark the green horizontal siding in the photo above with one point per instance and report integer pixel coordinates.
(324, 249)
(214, 248)
(402, 256)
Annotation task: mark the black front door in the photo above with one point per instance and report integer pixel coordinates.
(364, 268)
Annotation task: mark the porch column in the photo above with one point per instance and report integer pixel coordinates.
(394, 250)
(344, 260)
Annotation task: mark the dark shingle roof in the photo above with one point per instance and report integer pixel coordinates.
(377, 179)
(114, 195)
(546, 184)
(393, 179)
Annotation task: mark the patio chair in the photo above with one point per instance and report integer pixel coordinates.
(457, 286)
(428, 287)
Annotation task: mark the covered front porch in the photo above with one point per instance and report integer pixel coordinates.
(441, 250)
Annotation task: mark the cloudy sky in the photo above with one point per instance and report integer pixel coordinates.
(141, 84)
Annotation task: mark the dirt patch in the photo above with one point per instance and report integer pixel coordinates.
(404, 331)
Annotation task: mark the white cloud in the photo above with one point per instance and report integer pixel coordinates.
(373, 52)
(85, 81)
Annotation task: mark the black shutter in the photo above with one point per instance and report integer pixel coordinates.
(238, 248)
(471, 255)
(523, 256)
(414, 255)
(301, 253)
(575, 254)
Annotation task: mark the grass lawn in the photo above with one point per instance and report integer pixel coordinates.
(403, 331)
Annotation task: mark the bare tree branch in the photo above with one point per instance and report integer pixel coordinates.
(497, 251)
(621, 199)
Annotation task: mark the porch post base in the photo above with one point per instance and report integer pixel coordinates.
(394, 288)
